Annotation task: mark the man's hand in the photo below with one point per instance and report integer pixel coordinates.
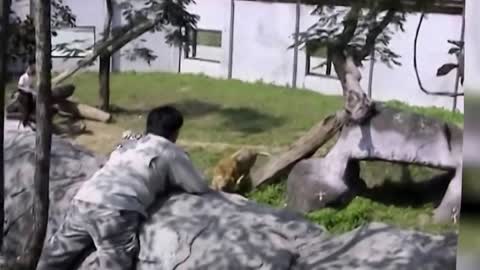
(183, 173)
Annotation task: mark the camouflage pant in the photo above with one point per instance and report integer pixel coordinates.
(112, 232)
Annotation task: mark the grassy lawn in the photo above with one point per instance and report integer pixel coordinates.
(240, 113)
(216, 110)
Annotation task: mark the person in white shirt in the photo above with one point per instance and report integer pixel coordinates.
(108, 208)
(27, 80)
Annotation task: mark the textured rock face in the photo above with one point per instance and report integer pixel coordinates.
(307, 191)
(70, 166)
(391, 135)
(215, 231)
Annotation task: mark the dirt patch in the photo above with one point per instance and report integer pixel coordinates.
(102, 138)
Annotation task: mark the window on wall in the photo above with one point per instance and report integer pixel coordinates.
(204, 45)
(319, 60)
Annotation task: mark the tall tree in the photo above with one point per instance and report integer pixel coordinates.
(44, 132)
(4, 30)
(105, 61)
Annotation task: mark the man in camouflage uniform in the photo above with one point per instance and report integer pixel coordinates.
(108, 208)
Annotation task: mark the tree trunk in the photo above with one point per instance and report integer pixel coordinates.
(304, 147)
(4, 25)
(104, 82)
(83, 111)
(357, 104)
(104, 68)
(43, 134)
(348, 73)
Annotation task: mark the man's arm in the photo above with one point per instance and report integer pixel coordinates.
(183, 173)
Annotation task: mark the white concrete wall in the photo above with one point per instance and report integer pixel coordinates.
(214, 15)
(88, 13)
(167, 56)
(260, 52)
(92, 13)
(261, 42)
(400, 82)
(472, 46)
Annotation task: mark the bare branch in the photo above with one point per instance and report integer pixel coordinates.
(376, 30)
(108, 23)
(110, 45)
(350, 23)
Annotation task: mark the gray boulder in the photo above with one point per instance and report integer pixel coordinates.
(390, 135)
(215, 231)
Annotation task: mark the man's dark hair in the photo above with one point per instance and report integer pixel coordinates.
(164, 121)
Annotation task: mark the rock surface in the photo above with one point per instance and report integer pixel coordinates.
(390, 135)
(216, 231)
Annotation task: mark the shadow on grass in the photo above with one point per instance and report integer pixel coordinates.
(409, 193)
(241, 119)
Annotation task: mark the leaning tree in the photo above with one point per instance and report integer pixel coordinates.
(360, 31)
(352, 34)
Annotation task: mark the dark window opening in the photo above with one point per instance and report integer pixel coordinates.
(319, 60)
(204, 45)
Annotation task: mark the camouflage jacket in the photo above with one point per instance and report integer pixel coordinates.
(138, 170)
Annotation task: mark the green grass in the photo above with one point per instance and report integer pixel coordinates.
(361, 211)
(216, 110)
(449, 116)
(230, 111)
(469, 238)
(273, 194)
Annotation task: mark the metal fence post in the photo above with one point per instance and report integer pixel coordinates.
(370, 73)
(295, 49)
(231, 36)
(457, 79)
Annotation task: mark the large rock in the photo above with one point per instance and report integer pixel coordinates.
(390, 135)
(215, 231)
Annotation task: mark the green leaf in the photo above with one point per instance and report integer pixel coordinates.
(445, 69)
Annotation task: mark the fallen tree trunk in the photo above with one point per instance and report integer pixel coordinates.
(60, 96)
(306, 146)
(83, 111)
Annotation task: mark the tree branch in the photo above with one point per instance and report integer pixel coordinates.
(350, 23)
(375, 31)
(104, 64)
(108, 23)
(110, 45)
